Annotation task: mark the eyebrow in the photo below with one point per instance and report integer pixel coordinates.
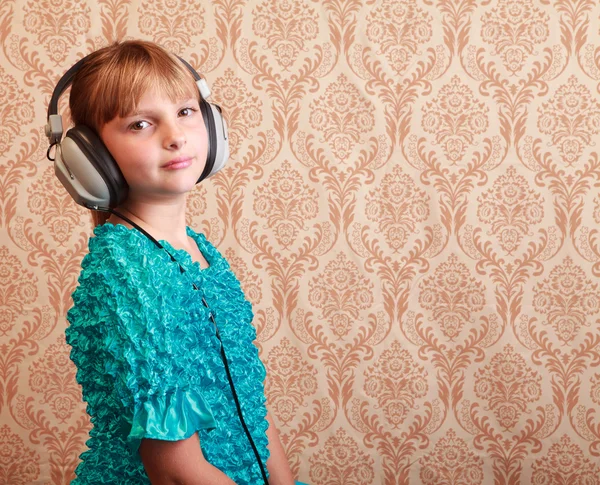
(135, 114)
(150, 112)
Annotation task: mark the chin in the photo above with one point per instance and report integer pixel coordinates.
(180, 190)
(184, 182)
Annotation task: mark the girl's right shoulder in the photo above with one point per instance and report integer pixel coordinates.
(116, 242)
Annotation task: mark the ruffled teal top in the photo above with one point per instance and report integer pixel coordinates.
(149, 362)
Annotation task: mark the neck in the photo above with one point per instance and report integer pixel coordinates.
(163, 221)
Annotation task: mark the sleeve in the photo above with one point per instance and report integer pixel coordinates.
(148, 349)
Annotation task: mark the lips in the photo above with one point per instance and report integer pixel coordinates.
(179, 162)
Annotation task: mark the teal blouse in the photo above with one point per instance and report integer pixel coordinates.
(149, 362)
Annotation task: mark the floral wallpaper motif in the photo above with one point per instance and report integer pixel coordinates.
(292, 381)
(397, 205)
(341, 115)
(286, 202)
(515, 28)
(285, 25)
(452, 295)
(48, 199)
(451, 463)
(341, 461)
(412, 206)
(19, 288)
(571, 118)
(16, 110)
(396, 380)
(508, 384)
(454, 117)
(510, 207)
(565, 463)
(20, 464)
(170, 22)
(57, 32)
(568, 298)
(244, 110)
(398, 28)
(341, 292)
(52, 376)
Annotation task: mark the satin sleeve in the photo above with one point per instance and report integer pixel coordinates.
(139, 322)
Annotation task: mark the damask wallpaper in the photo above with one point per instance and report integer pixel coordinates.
(412, 205)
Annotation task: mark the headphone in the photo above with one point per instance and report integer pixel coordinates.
(89, 172)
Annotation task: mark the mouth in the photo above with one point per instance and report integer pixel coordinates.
(177, 163)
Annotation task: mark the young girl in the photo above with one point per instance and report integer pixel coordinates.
(160, 330)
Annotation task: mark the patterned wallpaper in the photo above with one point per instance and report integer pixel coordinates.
(412, 205)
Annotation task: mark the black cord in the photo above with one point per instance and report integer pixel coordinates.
(223, 356)
(235, 397)
(48, 152)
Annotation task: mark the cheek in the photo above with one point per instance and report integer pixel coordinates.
(124, 153)
(133, 161)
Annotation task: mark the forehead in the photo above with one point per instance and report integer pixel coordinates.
(149, 90)
(154, 100)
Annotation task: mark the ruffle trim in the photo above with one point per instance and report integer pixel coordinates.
(171, 417)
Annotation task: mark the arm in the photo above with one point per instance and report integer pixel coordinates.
(277, 464)
(179, 462)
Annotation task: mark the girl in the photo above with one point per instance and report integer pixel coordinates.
(160, 330)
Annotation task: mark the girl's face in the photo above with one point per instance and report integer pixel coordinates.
(161, 148)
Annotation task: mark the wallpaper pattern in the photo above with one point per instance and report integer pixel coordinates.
(412, 205)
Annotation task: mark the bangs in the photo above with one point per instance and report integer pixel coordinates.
(173, 81)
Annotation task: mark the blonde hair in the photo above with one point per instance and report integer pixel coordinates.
(112, 80)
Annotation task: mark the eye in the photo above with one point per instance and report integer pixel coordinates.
(189, 111)
(138, 125)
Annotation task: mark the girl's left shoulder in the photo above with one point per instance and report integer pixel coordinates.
(208, 249)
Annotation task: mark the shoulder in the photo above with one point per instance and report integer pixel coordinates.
(126, 281)
(116, 244)
(215, 257)
(119, 260)
(115, 249)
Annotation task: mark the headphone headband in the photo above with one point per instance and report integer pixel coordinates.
(63, 83)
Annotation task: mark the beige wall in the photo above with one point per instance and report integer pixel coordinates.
(412, 205)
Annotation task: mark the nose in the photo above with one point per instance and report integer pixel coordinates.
(174, 137)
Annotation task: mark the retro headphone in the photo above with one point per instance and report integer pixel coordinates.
(89, 172)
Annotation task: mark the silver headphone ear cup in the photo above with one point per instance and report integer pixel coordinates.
(221, 137)
(89, 152)
(222, 134)
(79, 177)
